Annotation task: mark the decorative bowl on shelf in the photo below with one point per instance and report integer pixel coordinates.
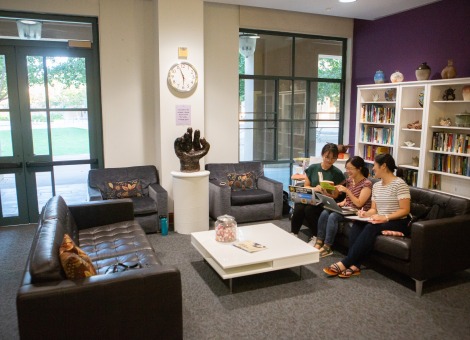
(409, 143)
(390, 95)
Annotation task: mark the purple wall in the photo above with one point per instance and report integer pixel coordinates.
(432, 34)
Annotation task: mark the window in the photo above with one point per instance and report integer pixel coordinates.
(291, 98)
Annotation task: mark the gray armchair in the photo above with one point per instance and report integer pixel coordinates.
(263, 203)
(148, 206)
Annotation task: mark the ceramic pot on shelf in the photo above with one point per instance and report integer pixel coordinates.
(423, 72)
(379, 77)
(449, 71)
(397, 77)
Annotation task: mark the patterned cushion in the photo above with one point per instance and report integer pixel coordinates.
(75, 262)
(246, 181)
(123, 189)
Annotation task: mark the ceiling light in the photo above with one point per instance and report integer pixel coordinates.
(247, 44)
(347, 0)
(29, 29)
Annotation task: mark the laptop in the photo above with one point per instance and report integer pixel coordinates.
(330, 204)
(303, 195)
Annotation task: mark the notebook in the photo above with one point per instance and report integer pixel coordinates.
(303, 195)
(330, 204)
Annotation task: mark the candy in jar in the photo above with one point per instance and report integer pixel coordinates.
(225, 229)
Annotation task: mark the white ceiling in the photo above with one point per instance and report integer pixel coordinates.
(361, 9)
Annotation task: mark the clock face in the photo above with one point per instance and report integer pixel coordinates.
(182, 77)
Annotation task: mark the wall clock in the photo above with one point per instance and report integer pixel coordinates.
(182, 77)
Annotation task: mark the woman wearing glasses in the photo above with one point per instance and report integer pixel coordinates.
(329, 173)
(389, 212)
(358, 190)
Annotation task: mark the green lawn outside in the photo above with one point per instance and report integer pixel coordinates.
(65, 141)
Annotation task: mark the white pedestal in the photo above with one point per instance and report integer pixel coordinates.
(191, 201)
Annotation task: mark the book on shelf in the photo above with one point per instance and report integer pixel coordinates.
(376, 113)
(370, 151)
(250, 246)
(451, 142)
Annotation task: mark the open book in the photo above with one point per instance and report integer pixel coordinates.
(249, 246)
(329, 186)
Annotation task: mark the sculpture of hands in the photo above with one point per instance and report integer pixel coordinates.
(189, 150)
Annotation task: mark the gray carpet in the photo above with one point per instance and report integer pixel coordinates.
(277, 305)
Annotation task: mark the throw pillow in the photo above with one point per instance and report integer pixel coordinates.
(75, 262)
(123, 189)
(246, 181)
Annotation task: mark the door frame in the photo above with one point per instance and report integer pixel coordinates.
(19, 110)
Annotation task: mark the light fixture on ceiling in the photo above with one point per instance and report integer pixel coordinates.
(29, 29)
(247, 44)
(347, 0)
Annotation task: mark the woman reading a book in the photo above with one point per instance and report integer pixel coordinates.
(358, 190)
(389, 212)
(314, 173)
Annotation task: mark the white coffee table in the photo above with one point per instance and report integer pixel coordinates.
(283, 251)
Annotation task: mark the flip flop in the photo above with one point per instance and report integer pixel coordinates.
(332, 270)
(346, 274)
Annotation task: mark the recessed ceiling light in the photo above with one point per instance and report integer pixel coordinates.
(347, 0)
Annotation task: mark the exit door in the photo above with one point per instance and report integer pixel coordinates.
(49, 128)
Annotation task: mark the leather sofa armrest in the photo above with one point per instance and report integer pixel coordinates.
(94, 194)
(160, 196)
(219, 199)
(440, 246)
(136, 304)
(98, 213)
(275, 188)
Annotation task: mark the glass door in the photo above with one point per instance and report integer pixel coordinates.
(47, 146)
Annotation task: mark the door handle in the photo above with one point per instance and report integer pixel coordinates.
(32, 164)
(12, 165)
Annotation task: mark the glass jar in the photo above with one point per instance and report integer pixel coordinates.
(225, 229)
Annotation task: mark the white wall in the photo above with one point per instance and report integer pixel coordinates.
(221, 91)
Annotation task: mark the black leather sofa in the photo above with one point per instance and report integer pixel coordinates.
(438, 243)
(143, 303)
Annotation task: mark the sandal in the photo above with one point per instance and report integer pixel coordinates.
(318, 244)
(332, 270)
(325, 251)
(346, 274)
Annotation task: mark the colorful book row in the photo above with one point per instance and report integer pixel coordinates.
(451, 164)
(451, 142)
(374, 113)
(379, 135)
(371, 150)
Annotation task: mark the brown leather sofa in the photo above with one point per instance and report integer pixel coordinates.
(439, 240)
(143, 303)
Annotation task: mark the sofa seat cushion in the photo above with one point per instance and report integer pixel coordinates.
(144, 205)
(398, 247)
(248, 197)
(113, 240)
(394, 246)
(145, 257)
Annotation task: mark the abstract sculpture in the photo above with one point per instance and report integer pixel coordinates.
(190, 150)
